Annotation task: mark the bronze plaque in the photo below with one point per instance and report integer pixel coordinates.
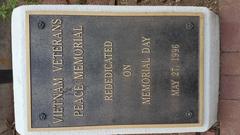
(114, 69)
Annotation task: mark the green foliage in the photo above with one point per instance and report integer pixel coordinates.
(7, 7)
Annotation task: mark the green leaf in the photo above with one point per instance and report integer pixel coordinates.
(6, 8)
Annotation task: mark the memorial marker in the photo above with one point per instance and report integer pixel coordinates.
(114, 70)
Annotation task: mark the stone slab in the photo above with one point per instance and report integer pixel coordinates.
(211, 68)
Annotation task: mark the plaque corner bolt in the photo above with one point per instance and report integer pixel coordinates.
(42, 116)
(188, 114)
(189, 26)
(41, 25)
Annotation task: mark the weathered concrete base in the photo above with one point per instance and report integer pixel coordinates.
(211, 68)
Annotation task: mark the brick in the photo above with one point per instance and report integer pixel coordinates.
(5, 45)
(63, 1)
(187, 134)
(230, 63)
(6, 96)
(6, 102)
(208, 133)
(229, 117)
(6, 107)
(229, 87)
(53, 1)
(101, 2)
(230, 25)
(126, 2)
(77, 1)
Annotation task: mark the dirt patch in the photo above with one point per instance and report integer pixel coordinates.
(211, 4)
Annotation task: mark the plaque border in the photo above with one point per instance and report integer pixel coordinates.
(102, 13)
